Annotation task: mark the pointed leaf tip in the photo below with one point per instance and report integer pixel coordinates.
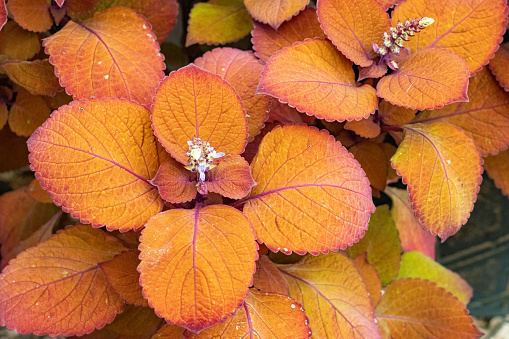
(274, 14)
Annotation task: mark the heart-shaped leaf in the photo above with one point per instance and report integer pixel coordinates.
(373, 161)
(370, 278)
(27, 113)
(18, 43)
(95, 158)
(32, 15)
(196, 265)
(268, 278)
(497, 167)
(499, 66)
(366, 128)
(395, 115)
(231, 177)
(273, 12)
(37, 76)
(175, 183)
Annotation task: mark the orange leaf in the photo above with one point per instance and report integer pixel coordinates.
(33, 15)
(395, 115)
(57, 287)
(218, 22)
(231, 178)
(382, 244)
(37, 76)
(241, 69)
(372, 159)
(471, 30)
(413, 236)
(35, 190)
(286, 114)
(121, 273)
(162, 15)
(80, 9)
(134, 322)
(499, 66)
(370, 278)
(196, 265)
(252, 147)
(13, 148)
(484, 118)
(192, 102)
(262, 315)
(442, 168)
(311, 194)
(428, 79)
(175, 183)
(337, 305)
(18, 43)
(386, 4)
(366, 128)
(268, 278)
(416, 308)
(373, 71)
(314, 77)
(274, 13)
(417, 265)
(353, 27)
(497, 167)
(96, 165)
(114, 54)
(169, 332)
(27, 113)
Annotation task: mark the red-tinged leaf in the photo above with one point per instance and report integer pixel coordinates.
(192, 102)
(314, 77)
(442, 168)
(169, 332)
(382, 244)
(218, 22)
(18, 43)
(497, 167)
(32, 15)
(417, 265)
(35, 190)
(268, 278)
(96, 165)
(274, 13)
(416, 308)
(262, 315)
(428, 79)
(386, 4)
(175, 183)
(57, 287)
(311, 194)
(114, 54)
(373, 71)
(366, 128)
(499, 66)
(80, 9)
(58, 14)
(3, 14)
(121, 273)
(353, 27)
(13, 148)
(27, 113)
(231, 177)
(196, 265)
(337, 305)
(134, 322)
(286, 114)
(252, 147)
(370, 278)
(241, 69)
(372, 159)
(267, 41)
(395, 115)
(484, 118)
(161, 14)
(413, 236)
(37, 76)
(478, 25)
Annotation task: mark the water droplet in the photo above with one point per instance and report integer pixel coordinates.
(100, 62)
(14, 281)
(449, 162)
(286, 249)
(144, 26)
(293, 306)
(36, 286)
(223, 69)
(237, 327)
(149, 35)
(36, 304)
(376, 321)
(49, 316)
(64, 52)
(106, 76)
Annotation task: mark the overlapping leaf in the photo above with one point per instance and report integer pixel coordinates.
(413, 236)
(372, 71)
(57, 287)
(121, 273)
(370, 278)
(112, 54)
(395, 115)
(413, 308)
(169, 332)
(218, 22)
(80, 9)
(262, 315)
(428, 79)
(231, 177)
(372, 158)
(337, 305)
(484, 118)
(27, 113)
(268, 278)
(286, 114)
(497, 167)
(366, 128)
(274, 13)
(353, 26)
(382, 244)
(386, 4)
(36, 76)
(196, 265)
(32, 15)
(35, 190)
(314, 77)
(95, 158)
(18, 43)
(417, 265)
(192, 102)
(471, 30)
(499, 66)
(311, 195)
(175, 183)
(442, 168)
(133, 322)
(241, 69)
(267, 41)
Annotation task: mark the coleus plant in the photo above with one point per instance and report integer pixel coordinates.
(196, 176)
